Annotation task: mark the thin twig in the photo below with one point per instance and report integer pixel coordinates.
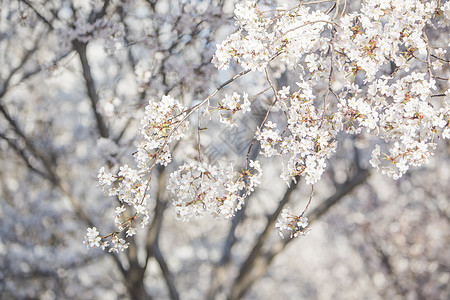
(38, 14)
(303, 25)
(266, 116)
(430, 73)
(309, 201)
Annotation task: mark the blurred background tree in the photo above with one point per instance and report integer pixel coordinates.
(75, 78)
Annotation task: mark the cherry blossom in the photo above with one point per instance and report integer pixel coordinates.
(371, 71)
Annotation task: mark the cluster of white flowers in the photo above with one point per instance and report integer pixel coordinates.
(162, 124)
(92, 239)
(200, 188)
(372, 70)
(398, 110)
(230, 105)
(290, 222)
(397, 107)
(384, 31)
(444, 15)
(310, 139)
(290, 34)
(131, 189)
(269, 139)
(409, 119)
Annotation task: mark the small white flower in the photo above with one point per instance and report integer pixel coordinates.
(303, 222)
(92, 238)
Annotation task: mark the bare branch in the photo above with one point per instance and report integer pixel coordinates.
(30, 146)
(155, 227)
(49, 174)
(21, 153)
(244, 278)
(386, 261)
(26, 57)
(345, 189)
(167, 274)
(261, 262)
(91, 89)
(38, 14)
(95, 16)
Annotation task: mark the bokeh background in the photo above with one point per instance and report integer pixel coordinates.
(75, 78)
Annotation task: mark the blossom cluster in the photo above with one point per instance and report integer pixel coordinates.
(397, 109)
(372, 71)
(407, 118)
(230, 105)
(131, 191)
(92, 238)
(289, 34)
(290, 222)
(162, 124)
(200, 188)
(378, 63)
(269, 139)
(310, 139)
(383, 32)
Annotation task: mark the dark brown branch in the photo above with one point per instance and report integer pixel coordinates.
(95, 16)
(90, 85)
(38, 69)
(51, 175)
(345, 189)
(168, 276)
(134, 280)
(15, 126)
(119, 264)
(385, 261)
(38, 14)
(122, 132)
(134, 275)
(24, 157)
(438, 95)
(262, 262)
(219, 271)
(242, 281)
(152, 246)
(237, 219)
(155, 226)
(132, 61)
(440, 58)
(25, 58)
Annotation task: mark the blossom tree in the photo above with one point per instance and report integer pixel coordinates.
(311, 94)
(384, 46)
